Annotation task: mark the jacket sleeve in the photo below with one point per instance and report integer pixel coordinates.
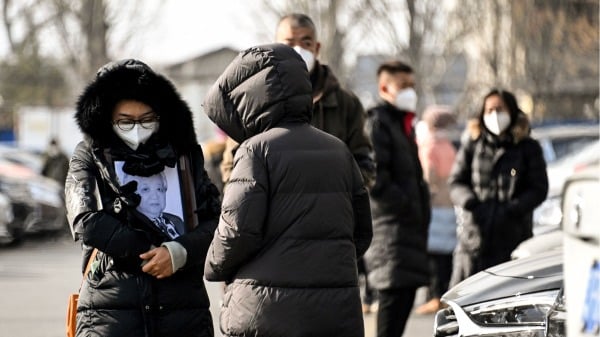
(239, 233)
(536, 180)
(88, 217)
(385, 191)
(461, 188)
(208, 207)
(358, 142)
(363, 227)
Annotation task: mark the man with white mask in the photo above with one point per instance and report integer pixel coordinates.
(397, 259)
(335, 110)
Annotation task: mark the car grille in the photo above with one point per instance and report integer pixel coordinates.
(445, 323)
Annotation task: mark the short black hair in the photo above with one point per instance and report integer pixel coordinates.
(299, 20)
(393, 67)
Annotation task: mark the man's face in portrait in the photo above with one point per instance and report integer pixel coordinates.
(153, 191)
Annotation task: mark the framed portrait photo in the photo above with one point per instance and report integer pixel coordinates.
(161, 199)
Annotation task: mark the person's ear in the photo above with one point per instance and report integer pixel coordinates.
(384, 92)
(383, 88)
(317, 49)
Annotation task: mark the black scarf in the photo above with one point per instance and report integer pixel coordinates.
(149, 159)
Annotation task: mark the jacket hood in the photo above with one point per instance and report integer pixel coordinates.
(134, 80)
(262, 87)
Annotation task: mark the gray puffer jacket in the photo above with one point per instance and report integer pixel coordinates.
(295, 213)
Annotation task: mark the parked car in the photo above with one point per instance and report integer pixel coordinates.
(552, 292)
(560, 140)
(519, 298)
(6, 220)
(23, 157)
(538, 244)
(581, 225)
(37, 202)
(547, 216)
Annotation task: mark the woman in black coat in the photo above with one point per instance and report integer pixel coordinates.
(295, 212)
(498, 179)
(143, 281)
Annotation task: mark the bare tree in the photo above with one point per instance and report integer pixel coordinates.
(399, 29)
(84, 28)
(556, 40)
(534, 48)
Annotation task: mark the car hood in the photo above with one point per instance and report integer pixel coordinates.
(528, 275)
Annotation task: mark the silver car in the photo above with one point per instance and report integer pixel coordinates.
(520, 298)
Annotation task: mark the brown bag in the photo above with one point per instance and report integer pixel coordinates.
(72, 304)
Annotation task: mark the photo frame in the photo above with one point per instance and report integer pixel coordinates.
(162, 199)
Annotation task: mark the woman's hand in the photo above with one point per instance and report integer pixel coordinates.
(157, 262)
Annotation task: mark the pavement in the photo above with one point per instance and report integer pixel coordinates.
(417, 325)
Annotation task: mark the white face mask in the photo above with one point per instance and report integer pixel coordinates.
(406, 99)
(496, 121)
(307, 56)
(136, 136)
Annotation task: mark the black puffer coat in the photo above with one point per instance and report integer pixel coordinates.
(295, 214)
(400, 205)
(117, 298)
(497, 182)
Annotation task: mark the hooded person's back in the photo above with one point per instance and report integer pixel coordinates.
(295, 213)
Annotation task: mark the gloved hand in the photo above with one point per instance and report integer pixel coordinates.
(128, 194)
(128, 197)
(482, 214)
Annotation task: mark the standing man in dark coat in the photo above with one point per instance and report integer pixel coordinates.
(335, 110)
(142, 282)
(295, 213)
(397, 259)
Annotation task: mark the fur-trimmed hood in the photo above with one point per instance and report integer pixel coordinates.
(132, 79)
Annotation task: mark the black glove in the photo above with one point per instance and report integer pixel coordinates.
(471, 204)
(128, 198)
(482, 214)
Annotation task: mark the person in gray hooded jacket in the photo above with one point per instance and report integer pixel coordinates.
(295, 213)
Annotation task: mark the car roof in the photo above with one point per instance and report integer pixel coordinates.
(566, 130)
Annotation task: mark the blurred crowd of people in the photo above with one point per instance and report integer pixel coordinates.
(317, 196)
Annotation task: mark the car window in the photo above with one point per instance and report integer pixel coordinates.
(565, 146)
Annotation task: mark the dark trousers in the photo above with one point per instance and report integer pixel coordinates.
(367, 293)
(440, 268)
(394, 308)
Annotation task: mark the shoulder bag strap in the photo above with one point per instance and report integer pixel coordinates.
(89, 265)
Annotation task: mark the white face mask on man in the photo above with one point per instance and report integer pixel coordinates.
(406, 99)
(307, 56)
(137, 135)
(496, 121)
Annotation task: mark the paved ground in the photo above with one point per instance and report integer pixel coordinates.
(36, 278)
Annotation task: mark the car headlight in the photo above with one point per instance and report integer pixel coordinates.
(548, 215)
(533, 315)
(530, 309)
